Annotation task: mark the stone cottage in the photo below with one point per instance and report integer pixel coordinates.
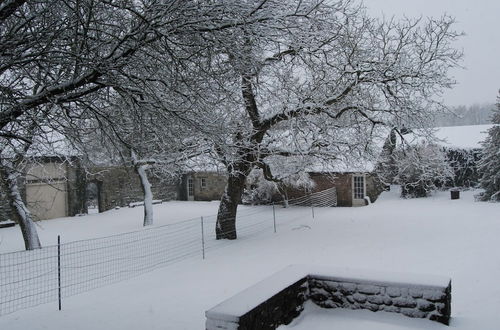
(202, 186)
(356, 188)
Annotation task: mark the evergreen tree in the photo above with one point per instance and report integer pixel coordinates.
(489, 166)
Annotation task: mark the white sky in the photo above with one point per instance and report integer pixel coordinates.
(479, 82)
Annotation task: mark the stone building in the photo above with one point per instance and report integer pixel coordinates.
(54, 187)
(120, 186)
(352, 188)
(202, 186)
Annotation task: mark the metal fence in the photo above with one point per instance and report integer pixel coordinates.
(30, 278)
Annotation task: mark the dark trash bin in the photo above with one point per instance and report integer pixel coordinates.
(455, 194)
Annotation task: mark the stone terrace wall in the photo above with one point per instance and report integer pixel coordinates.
(433, 303)
(279, 299)
(280, 309)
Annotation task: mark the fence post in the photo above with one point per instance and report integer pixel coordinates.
(312, 206)
(202, 239)
(274, 219)
(59, 269)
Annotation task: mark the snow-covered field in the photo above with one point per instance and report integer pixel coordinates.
(436, 235)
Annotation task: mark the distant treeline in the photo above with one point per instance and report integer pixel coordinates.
(477, 114)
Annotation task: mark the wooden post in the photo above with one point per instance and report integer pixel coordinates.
(202, 239)
(274, 219)
(59, 269)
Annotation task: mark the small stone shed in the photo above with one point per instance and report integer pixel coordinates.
(352, 188)
(202, 186)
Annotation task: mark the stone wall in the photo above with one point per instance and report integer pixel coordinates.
(120, 186)
(4, 204)
(433, 303)
(280, 298)
(343, 183)
(279, 309)
(215, 183)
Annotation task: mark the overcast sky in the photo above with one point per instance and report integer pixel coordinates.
(479, 82)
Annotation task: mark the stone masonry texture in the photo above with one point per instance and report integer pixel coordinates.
(433, 303)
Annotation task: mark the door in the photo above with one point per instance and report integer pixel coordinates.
(358, 190)
(190, 189)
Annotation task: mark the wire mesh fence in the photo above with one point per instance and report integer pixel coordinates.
(30, 278)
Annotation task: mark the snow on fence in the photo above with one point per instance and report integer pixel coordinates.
(30, 278)
(324, 198)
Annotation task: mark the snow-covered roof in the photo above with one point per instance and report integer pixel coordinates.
(463, 137)
(466, 137)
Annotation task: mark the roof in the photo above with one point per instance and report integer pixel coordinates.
(462, 137)
(465, 137)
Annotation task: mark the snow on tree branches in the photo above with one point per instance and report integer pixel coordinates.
(489, 165)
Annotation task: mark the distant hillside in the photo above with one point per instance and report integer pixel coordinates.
(477, 114)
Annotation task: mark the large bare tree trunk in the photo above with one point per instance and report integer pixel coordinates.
(19, 209)
(226, 217)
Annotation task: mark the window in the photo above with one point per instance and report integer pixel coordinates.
(203, 183)
(190, 187)
(359, 187)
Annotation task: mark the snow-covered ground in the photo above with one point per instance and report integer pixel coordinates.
(455, 238)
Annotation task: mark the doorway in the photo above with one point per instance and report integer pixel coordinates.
(92, 197)
(190, 189)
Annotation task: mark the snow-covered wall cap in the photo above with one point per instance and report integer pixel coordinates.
(243, 302)
(385, 278)
(233, 308)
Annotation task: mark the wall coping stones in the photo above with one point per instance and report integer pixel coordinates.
(241, 303)
(364, 282)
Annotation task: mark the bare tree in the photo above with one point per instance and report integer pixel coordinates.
(145, 135)
(57, 57)
(316, 78)
(420, 169)
(11, 170)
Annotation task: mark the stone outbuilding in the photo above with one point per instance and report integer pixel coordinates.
(352, 188)
(202, 186)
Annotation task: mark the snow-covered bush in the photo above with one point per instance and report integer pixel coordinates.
(420, 169)
(489, 165)
(259, 190)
